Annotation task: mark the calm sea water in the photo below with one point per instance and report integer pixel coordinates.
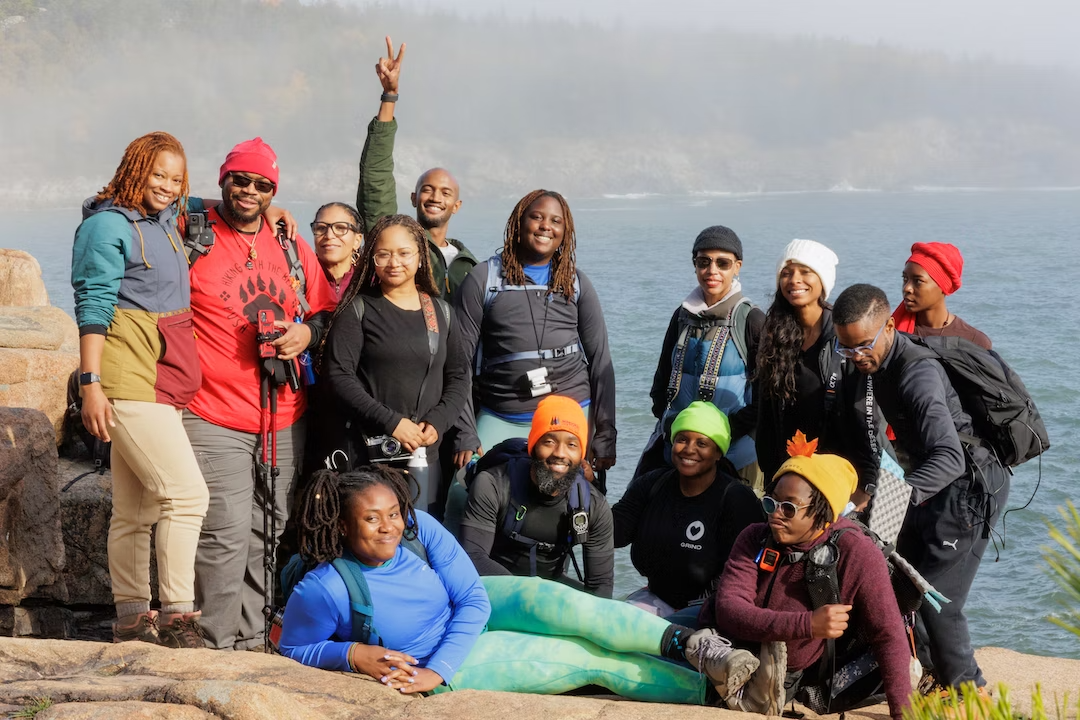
(1020, 248)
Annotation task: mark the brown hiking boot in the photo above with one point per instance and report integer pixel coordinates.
(727, 668)
(181, 630)
(764, 692)
(144, 628)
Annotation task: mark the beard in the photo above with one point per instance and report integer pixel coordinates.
(550, 482)
(430, 222)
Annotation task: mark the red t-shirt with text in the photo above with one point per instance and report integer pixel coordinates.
(226, 297)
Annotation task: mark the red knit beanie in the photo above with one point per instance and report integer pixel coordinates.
(942, 262)
(251, 156)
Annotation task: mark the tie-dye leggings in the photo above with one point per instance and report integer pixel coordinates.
(546, 638)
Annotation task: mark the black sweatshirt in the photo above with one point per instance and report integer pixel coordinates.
(374, 368)
(494, 553)
(680, 543)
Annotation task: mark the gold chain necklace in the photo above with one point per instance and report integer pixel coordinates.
(252, 255)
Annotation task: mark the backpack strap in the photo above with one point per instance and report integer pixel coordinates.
(359, 598)
(578, 500)
(296, 268)
(738, 327)
(518, 470)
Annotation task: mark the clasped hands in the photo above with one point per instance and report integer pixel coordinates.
(394, 669)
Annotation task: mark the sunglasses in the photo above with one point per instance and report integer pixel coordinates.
(340, 229)
(851, 353)
(242, 181)
(702, 262)
(787, 508)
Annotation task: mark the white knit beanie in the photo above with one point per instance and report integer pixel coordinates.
(813, 255)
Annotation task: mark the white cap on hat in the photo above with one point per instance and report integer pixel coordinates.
(813, 255)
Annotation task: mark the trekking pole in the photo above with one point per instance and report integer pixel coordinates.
(267, 465)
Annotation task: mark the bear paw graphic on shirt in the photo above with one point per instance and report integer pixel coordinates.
(258, 294)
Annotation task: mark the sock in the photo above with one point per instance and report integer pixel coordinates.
(673, 646)
(178, 608)
(126, 611)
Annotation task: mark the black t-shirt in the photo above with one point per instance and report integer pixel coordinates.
(682, 543)
(546, 520)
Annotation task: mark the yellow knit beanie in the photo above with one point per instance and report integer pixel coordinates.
(831, 474)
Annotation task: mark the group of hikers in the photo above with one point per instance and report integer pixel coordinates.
(444, 426)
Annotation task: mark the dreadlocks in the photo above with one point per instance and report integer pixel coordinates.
(328, 496)
(364, 279)
(129, 182)
(819, 510)
(563, 270)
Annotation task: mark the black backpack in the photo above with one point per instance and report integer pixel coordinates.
(78, 442)
(1002, 412)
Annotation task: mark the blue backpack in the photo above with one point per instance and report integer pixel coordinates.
(360, 603)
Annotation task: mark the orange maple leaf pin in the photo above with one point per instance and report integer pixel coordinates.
(800, 446)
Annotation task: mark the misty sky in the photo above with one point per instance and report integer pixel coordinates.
(1029, 31)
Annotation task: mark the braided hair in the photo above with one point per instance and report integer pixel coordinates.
(327, 498)
(128, 183)
(364, 279)
(820, 511)
(779, 349)
(563, 268)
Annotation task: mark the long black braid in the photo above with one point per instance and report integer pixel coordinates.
(328, 495)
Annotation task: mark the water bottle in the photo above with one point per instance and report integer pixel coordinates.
(417, 467)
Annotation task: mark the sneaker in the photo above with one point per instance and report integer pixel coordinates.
(181, 630)
(764, 693)
(143, 628)
(727, 668)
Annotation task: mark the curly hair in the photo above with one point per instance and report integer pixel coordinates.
(327, 497)
(128, 183)
(364, 279)
(820, 511)
(779, 349)
(563, 264)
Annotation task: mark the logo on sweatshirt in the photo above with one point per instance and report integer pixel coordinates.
(694, 532)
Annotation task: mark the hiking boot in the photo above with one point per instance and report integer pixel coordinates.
(764, 693)
(181, 630)
(727, 668)
(143, 628)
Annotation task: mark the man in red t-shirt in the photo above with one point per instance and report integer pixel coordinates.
(246, 271)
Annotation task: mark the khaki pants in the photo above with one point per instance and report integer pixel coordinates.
(156, 479)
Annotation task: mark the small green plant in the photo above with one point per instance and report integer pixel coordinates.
(37, 704)
(970, 704)
(1064, 562)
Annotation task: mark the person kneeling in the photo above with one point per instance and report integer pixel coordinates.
(427, 609)
(765, 592)
(524, 516)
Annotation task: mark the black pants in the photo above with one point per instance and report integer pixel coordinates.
(944, 539)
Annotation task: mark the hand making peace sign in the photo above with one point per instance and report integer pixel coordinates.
(389, 68)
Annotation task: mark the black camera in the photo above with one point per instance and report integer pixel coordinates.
(385, 448)
(199, 237)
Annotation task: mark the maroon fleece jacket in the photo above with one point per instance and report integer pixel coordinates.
(740, 612)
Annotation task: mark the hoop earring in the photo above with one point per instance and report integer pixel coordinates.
(355, 257)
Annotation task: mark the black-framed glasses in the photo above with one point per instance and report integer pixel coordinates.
(787, 508)
(703, 262)
(242, 181)
(851, 353)
(340, 229)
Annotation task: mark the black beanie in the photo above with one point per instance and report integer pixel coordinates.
(718, 237)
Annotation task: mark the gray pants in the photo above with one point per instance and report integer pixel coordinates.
(229, 562)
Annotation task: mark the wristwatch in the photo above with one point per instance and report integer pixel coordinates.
(88, 378)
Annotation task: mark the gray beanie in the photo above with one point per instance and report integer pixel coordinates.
(718, 237)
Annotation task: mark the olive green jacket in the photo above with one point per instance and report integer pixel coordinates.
(376, 197)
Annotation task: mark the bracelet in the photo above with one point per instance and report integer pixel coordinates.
(388, 97)
(349, 657)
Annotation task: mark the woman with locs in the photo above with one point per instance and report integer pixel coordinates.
(438, 626)
(393, 359)
(681, 522)
(139, 369)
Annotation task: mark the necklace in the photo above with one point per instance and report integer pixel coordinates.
(252, 255)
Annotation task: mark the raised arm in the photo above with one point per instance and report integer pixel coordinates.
(376, 193)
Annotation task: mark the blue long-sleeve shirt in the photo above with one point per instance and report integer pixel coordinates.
(433, 612)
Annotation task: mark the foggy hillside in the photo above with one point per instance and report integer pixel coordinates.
(509, 105)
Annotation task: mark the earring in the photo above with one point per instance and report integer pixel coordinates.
(355, 257)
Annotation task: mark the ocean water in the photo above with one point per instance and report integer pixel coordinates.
(1021, 249)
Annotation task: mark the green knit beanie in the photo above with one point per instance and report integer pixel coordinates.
(705, 418)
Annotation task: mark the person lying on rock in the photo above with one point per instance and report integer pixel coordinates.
(765, 594)
(429, 607)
